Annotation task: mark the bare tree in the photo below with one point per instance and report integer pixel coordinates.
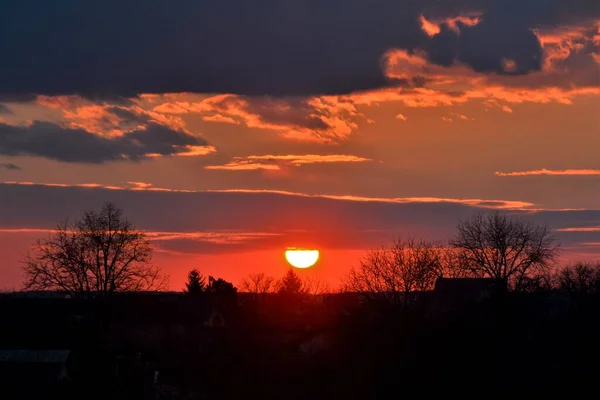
(581, 278)
(397, 272)
(315, 286)
(98, 255)
(258, 283)
(452, 264)
(508, 249)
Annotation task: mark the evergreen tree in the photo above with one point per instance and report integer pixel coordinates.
(196, 283)
(291, 284)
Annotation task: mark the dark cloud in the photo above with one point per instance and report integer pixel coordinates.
(60, 143)
(298, 47)
(486, 47)
(10, 166)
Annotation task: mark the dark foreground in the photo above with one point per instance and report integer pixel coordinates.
(175, 346)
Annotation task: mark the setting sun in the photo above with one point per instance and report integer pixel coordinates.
(301, 258)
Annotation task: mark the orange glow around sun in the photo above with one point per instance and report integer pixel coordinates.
(301, 258)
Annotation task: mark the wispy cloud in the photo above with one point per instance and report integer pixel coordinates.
(243, 166)
(544, 171)
(401, 117)
(479, 203)
(215, 237)
(273, 162)
(580, 229)
(311, 158)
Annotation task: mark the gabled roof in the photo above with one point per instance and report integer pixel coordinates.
(34, 356)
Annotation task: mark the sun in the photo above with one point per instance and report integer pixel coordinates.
(301, 258)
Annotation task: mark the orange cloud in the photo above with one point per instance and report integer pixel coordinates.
(191, 151)
(401, 117)
(243, 166)
(430, 28)
(106, 119)
(271, 162)
(325, 119)
(310, 158)
(544, 171)
(563, 42)
(433, 27)
(140, 185)
(220, 118)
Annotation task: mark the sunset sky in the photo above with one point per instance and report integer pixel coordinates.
(233, 129)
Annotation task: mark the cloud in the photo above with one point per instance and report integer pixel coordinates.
(243, 166)
(96, 131)
(297, 51)
(273, 162)
(56, 142)
(430, 28)
(310, 158)
(213, 237)
(137, 186)
(401, 117)
(327, 119)
(207, 222)
(580, 229)
(10, 166)
(140, 185)
(460, 116)
(544, 171)
(220, 118)
(430, 83)
(107, 119)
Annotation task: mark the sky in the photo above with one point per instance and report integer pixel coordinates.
(230, 130)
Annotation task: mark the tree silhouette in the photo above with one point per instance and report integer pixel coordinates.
(507, 249)
(220, 287)
(290, 284)
(581, 278)
(393, 274)
(196, 283)
(100, 254)
(258, 283)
